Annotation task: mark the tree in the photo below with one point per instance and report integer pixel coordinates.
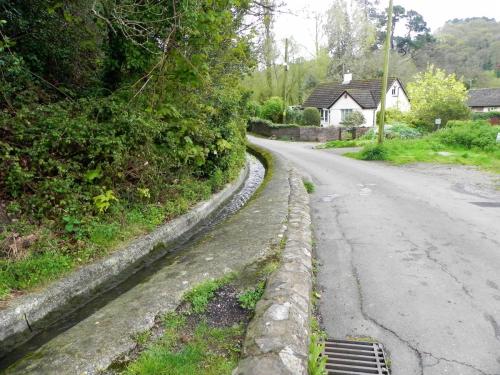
(272, 109)
(435, 94)
(398, 14)
(417, 33)
(350, 35)
(467, 47)
(268, 48)
(311, 117)
(352, 121)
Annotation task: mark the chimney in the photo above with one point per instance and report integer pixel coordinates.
(347, 78)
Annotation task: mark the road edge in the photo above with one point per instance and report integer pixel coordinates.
(277, 338)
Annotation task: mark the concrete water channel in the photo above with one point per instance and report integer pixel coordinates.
(88, 337)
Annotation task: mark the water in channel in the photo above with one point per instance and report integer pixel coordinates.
(141, 273)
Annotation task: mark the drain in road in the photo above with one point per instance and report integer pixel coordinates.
(355, 358)
(487, 204)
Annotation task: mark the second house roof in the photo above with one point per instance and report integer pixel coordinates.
(365, 92)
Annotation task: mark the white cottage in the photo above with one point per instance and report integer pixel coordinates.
(335, 101)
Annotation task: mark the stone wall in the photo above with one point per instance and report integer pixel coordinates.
(301, 133)
(277, 340)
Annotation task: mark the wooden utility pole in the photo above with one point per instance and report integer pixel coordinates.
(268, 43)
(285, 76)
(317, 18)
(387, 48)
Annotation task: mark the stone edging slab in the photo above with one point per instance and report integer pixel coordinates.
(28, 315)
(277, 339)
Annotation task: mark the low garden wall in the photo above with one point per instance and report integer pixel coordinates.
(301, 133)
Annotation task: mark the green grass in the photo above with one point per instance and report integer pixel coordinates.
(200, 296)
(32, 271)
(345, 143)
(210, 351)
(249, 299)
(428, 150)
(190, 347)
(310, 188)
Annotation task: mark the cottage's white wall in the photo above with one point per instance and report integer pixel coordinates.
(342, 103)
(485, 109)
(369, 117)
(400, 101)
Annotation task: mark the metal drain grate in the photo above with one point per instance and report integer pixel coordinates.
(354, 358)
(487, 204)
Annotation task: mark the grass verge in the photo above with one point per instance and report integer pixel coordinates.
(427, 150)
(460, 142)
(190, 350)
(344, 143)
(310, 188)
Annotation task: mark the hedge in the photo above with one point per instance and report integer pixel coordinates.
(256, 120)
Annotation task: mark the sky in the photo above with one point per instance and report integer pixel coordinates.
(296, 16)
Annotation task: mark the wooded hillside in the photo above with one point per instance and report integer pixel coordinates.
(353, 37)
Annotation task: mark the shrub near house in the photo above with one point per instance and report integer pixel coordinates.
(311, 117)
(434, 94)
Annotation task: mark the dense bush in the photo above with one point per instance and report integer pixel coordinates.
(493, 117)
(58, 157)
(311, 117)
(373, 152)
(485, 115)
(402, 131)
(434, 94)
(106, 132)
(255, 120)
(353, 120)
(294, 116)
(272, 109)
(393, 115)
(469, 134)
(254, 109)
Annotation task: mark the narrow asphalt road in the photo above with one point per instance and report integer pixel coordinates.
(410, 256)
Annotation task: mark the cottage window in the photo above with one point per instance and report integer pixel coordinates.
(324, 114)
(344, 113)
(394, 91)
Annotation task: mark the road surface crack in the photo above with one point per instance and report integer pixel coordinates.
(441, 359)
(419, 353)
(443, 268)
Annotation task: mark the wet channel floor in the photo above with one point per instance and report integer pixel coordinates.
(160, 259)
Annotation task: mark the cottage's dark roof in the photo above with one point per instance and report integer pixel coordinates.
(365, 92)
(484, 98)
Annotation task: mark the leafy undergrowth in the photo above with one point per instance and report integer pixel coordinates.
(55, 251)
(465, 143)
